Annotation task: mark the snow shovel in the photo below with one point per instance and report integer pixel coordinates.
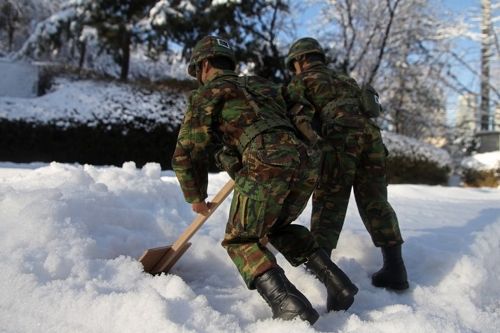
(161, 259)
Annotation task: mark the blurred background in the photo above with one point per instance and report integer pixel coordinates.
(104, 82)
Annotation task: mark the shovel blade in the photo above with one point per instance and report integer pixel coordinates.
(161, 259)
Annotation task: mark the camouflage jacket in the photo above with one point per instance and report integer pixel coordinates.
(218, 114)
(315, 89)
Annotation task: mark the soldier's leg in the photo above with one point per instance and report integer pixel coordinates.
(244, 230)
(295, 241)
(331, 197)
(249, 221)
(370, 191)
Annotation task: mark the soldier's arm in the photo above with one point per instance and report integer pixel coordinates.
(301, 111)
(190, 161)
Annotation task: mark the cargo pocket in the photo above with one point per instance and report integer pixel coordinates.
(283, 158)
(246, 218)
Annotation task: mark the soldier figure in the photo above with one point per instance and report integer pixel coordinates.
(335, 118)
(273, 179)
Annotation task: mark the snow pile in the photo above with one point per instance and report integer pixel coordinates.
(70, 234)
(95, 103)
(406, 147)
(483, 162)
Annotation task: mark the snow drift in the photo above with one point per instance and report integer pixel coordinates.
(71, 234)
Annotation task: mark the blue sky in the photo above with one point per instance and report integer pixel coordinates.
(471, 49)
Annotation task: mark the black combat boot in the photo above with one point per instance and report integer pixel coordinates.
(284, 299)
(340, 290)
(393, 274)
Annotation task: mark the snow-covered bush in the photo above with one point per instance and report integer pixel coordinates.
(416, 162)
(482, 169)
(91, 103)
(88, 121)
(95, 115)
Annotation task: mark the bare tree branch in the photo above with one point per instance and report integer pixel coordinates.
(392, 11)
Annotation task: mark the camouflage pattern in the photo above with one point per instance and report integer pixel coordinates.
(275, 181)
(354, 156)
(272, 189)
(209, 46)
(217, 113)
(303, 46)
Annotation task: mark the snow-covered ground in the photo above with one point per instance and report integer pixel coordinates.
(70, 236)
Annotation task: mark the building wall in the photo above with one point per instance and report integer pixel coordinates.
(467, 118)
(18, 79)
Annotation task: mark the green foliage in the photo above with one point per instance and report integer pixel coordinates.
(251, 26)
(408, 170)
(481, 178)
(116, 23)
(114, 144)
(100, 145)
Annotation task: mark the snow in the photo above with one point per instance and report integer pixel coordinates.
(71, 234)
(403, 146)
(224, 2)
(93, 103)
(484, 161)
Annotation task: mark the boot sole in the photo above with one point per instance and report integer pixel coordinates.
(345, 302)
(310, 316)
(393, 286)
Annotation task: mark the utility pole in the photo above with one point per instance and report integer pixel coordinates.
(486, 42)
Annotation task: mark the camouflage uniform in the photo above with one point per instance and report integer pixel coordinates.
(276, 179)
(354, 155)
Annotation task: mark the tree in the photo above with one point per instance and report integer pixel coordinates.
(265, 25)
(10, 16)
(18, 17)
(253, 27)
(117, 24)
(401, 48)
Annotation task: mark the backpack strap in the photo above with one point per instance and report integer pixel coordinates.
(263, 123)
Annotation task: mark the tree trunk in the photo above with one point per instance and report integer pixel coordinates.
(83, 51)
(125, 60)
(11, 30)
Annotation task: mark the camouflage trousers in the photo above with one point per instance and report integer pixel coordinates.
(357, 160)
(271, 191)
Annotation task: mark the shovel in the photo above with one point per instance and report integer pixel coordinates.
(161, 259)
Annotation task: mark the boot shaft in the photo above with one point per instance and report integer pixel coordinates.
(340, 289)
(393, 274)
(285, 300)
(320, 264)
(392, 255)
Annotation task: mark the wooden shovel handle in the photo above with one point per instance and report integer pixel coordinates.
(200, 219)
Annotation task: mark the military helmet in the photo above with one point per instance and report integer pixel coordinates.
(208, 47)
(303, 46)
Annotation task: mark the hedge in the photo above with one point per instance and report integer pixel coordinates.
(106, 144)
